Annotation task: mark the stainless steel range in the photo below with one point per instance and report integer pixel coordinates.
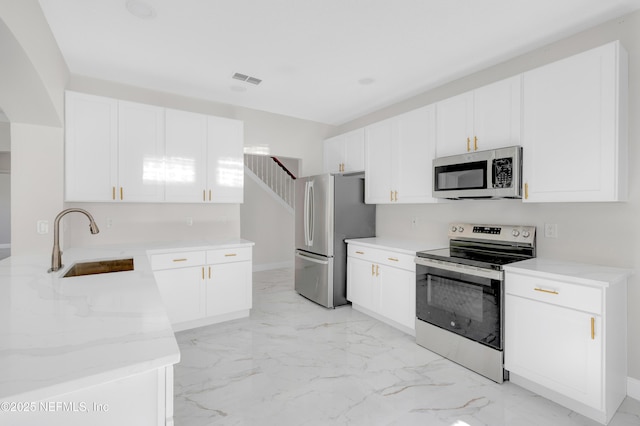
(460, 293)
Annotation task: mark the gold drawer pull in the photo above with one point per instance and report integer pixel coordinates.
(373, 269)
(546, 291)
(593, 328)
(180, 260)
(113, 192)
(468, 144)
(359, 252)
(526, 191)
(377, 270)
(121, 193)
(230, 255)
(393, 259)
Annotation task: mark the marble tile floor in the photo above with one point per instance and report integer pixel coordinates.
(296, 363)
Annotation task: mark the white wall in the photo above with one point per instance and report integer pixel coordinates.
(269, 224)
(588, 232)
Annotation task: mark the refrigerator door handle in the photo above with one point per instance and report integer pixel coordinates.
(312, 259)
(311, 213)
(306, 213)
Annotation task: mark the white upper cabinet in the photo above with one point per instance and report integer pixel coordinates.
(575, 128)
(91, 149)
(485, 118)
(185, 156)
(344, 153)
(398, 155)
(225, 160)
(131, 152)
(140, 152)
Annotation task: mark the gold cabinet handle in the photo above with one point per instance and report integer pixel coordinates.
(475, 143)
(526, 191)
(373, 269)
(393, 259)
(546, 291)
(204, 195)
(230, 255)
(209, 272)
(180, 260)
(390, 195)
(468, 144)
(209, 195)
(203, 272)
(113, 192)
(593, 328)
(377, 270)
(359, 252)
(121, 193)
(395, 195)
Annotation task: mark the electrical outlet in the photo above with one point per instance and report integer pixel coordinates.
(42, 227)
(109, 222)
(551, 230)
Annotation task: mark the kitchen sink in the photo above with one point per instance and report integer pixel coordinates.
(99, 267)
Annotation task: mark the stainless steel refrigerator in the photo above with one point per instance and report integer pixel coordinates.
(329, 209)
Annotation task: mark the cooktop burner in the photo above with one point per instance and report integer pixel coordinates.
(486, 246)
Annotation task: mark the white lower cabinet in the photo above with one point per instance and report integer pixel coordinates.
(205, 286)
(144, 399)
(382, 283)
(565, 337)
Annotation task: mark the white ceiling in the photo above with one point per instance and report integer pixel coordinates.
(312, 55)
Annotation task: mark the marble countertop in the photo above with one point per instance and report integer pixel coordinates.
(574, 272)
(400, 246)
(61, 334)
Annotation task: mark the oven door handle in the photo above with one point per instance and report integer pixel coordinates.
(460, 268)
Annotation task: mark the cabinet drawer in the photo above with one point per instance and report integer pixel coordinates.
(228, 255)
(177, 260)
(382, 257)
(575, 296)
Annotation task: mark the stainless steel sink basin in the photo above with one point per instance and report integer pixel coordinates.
(99, 267)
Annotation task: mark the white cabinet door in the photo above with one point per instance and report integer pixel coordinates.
(333, 149)
(454, 125)
(182, 291)
(574, 145)
(482, 119)
(362, 283)
(185, 156)
(225, 160)
(91, 147)
(398, 156)
(555, 347)
(398, 295)
(228, 288)
(412, 176)
(497, 114)
(344, 153)
(378, 162)
(140, 152)
(354, 151)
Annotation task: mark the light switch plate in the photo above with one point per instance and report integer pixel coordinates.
(551, 230)
(42, 226)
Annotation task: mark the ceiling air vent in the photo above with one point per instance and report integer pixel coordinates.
(247, 78)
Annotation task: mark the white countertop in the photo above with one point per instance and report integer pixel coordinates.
(579, 273)
(400, 246)
(61, 334)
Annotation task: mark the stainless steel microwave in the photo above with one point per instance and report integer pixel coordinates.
(495, 173)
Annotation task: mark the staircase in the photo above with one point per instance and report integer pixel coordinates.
(273, 175)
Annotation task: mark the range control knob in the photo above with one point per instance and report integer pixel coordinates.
(526, 234)
(460, 229)
(515, 232)
(454, 229)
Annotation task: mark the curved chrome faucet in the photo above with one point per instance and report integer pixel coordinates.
(56, 256)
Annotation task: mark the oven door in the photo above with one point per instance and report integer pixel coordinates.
(464, 300)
